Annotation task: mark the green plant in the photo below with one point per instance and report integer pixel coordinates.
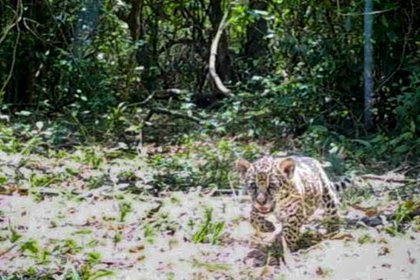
(117, 238)
(36, 180)
(210, 266)
(209, 231)
(405, 210)
(31, 247)
(87, 270)
(83, 231)
(416, 224)
(68, 246)
(93, 156)
(206, 163)
(14, 235)
(149, 233)
(402, 217)
(408, 109)
(124, 209)
(8, 141)
(93, 258)
(173, 171)
(217, 163)
(94, 182)
(3, 179)
(365, 238)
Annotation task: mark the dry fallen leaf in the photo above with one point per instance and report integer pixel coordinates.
(319, 271)
(342, 236)
(383, 251)
(410, 258)
(136, 249)
(368, 211)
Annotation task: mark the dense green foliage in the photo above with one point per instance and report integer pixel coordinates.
(137, 70)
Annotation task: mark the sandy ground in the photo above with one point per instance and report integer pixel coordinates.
(155, 241)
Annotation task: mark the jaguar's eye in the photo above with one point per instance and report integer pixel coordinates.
(253, 187)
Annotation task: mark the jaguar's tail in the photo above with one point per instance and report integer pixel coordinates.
(343, 183)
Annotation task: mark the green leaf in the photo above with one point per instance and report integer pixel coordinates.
(100, 274)
(30, 245)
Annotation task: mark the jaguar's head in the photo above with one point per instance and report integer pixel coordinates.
(264, 178)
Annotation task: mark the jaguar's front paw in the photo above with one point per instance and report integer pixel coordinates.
(256, 258)
(276, 253)
(273, 261)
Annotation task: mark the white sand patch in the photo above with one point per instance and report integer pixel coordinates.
(94, 226)
(351, 260)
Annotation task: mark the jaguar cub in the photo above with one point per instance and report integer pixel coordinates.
(285, 192)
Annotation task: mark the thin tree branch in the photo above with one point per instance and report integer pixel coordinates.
(398, 67)
(19, 12)
(16, 20)
(213, 54)
(178, 115)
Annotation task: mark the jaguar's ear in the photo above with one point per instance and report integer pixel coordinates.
(286, 167)
(242, 166)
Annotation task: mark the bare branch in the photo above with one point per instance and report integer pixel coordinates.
(177, 115)
(16, 20)
(19, 13)
(389, 179)
(404, 48)
(213, 54)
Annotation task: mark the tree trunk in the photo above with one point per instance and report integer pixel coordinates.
(368, 64)
(86, 26)
(255, 45)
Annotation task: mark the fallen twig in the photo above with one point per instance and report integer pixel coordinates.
(118, 263)
(386, 178)
(7, 250)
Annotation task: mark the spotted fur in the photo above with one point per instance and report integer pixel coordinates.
(343, 183)
(285, 192)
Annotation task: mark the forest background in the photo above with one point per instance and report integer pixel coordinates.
(120, 121)
(131, 74)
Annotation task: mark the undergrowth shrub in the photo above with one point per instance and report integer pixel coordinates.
(204, 164)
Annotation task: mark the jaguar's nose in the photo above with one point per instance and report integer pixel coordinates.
(261, 198)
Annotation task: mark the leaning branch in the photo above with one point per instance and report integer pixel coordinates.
(177, 114)
(213, 54)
